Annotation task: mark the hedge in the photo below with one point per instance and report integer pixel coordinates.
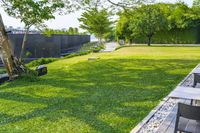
(177, 36)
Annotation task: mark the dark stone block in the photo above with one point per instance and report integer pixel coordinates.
(196, 79)
(4, 78)
(41, 70)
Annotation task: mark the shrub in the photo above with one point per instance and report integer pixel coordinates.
(2, 70)
(91, 47)
(41, 61)
(86, 49)
(30, 76)
(28, 54)
(119, 47)
(98, 48)
(77, 54)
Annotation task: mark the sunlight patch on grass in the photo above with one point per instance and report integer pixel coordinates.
(111, 94)
(114, 120)
(17, 108)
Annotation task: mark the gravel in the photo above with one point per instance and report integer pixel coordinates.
(152, 125)
(156, 120)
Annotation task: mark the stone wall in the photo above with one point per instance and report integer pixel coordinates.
(39, 45)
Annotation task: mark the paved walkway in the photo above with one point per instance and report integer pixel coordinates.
(109, 47)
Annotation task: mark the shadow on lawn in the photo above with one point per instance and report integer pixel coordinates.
(127, 88)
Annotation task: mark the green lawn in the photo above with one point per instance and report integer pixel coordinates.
(108, 95)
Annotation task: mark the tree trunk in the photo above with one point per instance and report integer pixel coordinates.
(11, 64)
(149, 41)
(24, 44)
(100, 40)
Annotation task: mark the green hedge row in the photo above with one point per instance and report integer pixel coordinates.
(178, 36)
(41, 61)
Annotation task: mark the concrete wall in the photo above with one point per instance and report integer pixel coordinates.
(42, 46)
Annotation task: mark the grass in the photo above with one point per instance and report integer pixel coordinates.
(2, 70)
(109, 95)
(85, 49)
(91, 47)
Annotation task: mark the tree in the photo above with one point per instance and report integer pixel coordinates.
(96, 22)
(196, 10)
(122, 28)
(12, 65)
(196, 3)
(35, 12)
(147, 20)
(73, 31)
(179, 16)
(70, 31)
(31, 13)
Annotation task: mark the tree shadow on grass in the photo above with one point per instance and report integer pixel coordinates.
(126, 89)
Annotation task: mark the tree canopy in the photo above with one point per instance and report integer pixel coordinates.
(148, 19)
(96, 22)
(69, 31)
(31, 12)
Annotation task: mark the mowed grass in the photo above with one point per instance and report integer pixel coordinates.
(108, 95)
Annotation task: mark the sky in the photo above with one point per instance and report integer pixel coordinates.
(66, 21)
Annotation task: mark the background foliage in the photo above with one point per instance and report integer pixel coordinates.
(166, 23)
